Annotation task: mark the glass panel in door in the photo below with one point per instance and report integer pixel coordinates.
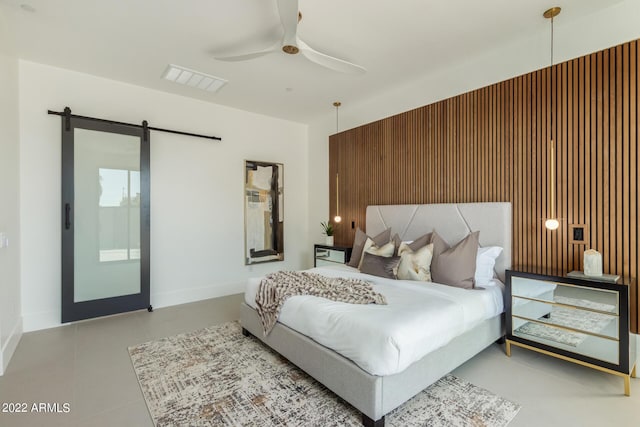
(107, 212)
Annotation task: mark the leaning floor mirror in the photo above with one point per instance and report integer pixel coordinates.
(263, 211)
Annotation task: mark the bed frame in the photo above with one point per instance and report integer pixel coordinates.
(373, 395)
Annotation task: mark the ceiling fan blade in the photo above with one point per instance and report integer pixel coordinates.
(247, 56)
(288, 10)
(329, 61)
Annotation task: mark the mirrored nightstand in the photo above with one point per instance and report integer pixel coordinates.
(327, 255)
(581, 321)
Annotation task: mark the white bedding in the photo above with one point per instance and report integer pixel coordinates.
(385, 339)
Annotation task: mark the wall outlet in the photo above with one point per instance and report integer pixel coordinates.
(4, 240)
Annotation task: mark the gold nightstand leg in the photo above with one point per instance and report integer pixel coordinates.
(508, 348)
(627, 385)
(633, 372)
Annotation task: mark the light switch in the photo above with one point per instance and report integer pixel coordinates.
(578, 234)
(4, 240)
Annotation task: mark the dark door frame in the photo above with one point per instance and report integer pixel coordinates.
(72, 311)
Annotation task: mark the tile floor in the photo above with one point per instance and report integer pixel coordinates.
(87, 366)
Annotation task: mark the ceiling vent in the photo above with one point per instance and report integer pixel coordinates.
(196, 79)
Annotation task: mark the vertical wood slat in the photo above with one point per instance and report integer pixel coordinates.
(576, 173)
(634, 158)
(491, 144)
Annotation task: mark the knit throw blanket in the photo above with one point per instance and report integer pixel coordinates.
(275, 288)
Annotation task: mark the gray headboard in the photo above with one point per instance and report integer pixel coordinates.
(453, 221)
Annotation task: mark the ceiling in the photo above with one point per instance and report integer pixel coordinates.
(396, 41)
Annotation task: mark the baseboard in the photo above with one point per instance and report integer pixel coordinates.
(183, 296)
(10, 346)
(51, 319)
(41, 320)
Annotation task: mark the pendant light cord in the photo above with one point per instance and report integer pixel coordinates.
(337, 218)
(552, 41)
(551, 223)
(337, 176)
(552, 144)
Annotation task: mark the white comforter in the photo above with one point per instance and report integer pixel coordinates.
(385, 339)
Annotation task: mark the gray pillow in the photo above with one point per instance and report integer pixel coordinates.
(455, 266)
(380, 266)
(359, 241)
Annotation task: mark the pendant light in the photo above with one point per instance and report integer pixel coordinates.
(337, 218)
(552, 222)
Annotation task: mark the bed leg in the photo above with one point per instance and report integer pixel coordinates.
(246, 333)
(368, 422)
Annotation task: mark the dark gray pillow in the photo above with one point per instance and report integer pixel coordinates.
(455, 266)
(359, 241)
(379, 265)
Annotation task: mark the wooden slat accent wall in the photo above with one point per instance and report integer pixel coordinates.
(492, 145)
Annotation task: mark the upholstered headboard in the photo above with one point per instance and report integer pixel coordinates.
(453, 221)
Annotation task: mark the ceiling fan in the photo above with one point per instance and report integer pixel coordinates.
(292, 45)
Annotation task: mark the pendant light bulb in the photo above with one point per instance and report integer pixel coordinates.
(552, 224)
(337, 218)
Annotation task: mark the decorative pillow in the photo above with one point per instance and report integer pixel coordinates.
(415, 265)
(384, 250)
(380, 266)
(420, 242)
(413, 244)
(361, 239)
(485, 262)
(455, 266)
(397, 241)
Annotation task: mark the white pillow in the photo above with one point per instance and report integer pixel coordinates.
(384, 250)
(485, 262)
(415, 265)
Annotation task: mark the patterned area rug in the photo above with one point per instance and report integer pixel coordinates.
(216, 376)
(588, 321)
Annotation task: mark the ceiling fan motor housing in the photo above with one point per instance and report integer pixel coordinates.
(290, 49)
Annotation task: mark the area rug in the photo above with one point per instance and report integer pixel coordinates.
(218, 377)
(588, 321)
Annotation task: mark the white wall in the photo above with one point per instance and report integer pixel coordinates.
(197, 220)
(10, 320)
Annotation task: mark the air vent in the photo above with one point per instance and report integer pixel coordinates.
(192, 78)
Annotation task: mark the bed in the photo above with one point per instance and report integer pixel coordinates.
(375, 395)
